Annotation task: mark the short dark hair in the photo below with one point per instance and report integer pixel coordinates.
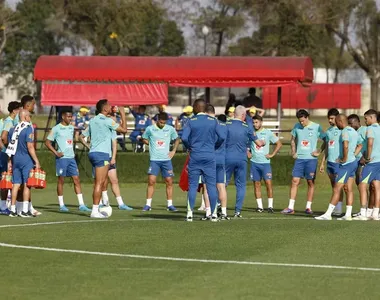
(252, 91)
(163, 116)
(13, 105)
(142, 106)
(257, 117)
(354, 116)
(222, 118)
(100, 105)
(66, 111)
(210, 109)
(302, 113)
(378, 117)
(332, 112)
(26, 99)
(371, 112)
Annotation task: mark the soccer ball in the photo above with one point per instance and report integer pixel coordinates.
(106, 211)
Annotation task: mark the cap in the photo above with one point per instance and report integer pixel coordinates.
(231, 109)
(252, 110)
(84, 109)
(188, 109)
(162, 106)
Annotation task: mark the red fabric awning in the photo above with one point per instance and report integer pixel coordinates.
(177, 71)
(118, 94)
(346, 96)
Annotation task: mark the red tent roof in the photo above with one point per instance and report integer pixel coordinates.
(177, 71)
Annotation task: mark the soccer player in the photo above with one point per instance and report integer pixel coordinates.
(239, 138)
(305, 135)
(142, 121)
(100, 131)
(354, 122)
(65, 164)
(201, 137)
(28, 103)
(371, 170)
(348, 141)
(220, 155)
(158, 137)
(24, 159)
(260, 163)
(332, 153)
(13, 109)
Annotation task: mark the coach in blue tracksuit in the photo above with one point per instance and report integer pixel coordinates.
(239, 137)
(202, 136)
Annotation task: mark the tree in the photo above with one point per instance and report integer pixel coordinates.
(30, 42)
(8, 24)
(364, 17)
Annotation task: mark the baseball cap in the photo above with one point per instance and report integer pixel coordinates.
(84, 109)
(188, 109)
(252, 110)
(231, 109)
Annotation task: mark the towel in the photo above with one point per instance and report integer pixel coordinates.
(12, 146)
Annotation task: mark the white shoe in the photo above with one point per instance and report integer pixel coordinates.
(98, 215)
(324, 217)
(35, 212)
(202, 208)
(369, 213)
(345, 218)
(360, 218)
(356, 214)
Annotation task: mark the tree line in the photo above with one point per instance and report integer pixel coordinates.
(336, 34)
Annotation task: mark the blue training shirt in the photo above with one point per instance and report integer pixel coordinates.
(202, 135)
(239, 138)
(22, 156)
(220, 152)
(142, 121)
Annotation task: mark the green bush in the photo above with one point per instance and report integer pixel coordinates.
(133, 167)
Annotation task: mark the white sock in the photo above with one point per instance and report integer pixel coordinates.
(308, 205)
(170, 203)
(363, 212)
(375, 213)
(369, 212)
(31, 208)
(291, 203)
(270, 202)
(3, 204)
(214, 215)
(348, 211)
(119, 200)
(224, 211)
(18, 207)
(203, 202)
(95, 209)
(208, 211)
(259, 203)
(338, 208)
(189, 214)
(13, 208)
(60, 201)
(9, 197)
(330, 210)
(80, 199)
(105, 198)
(25, 206)
(149, 202)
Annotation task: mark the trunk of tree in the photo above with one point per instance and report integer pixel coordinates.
(375, 93)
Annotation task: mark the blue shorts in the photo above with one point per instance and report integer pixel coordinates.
(370, 173)
(346, 171)
(220, 174)
(3, 162)
(332, 168)
(164, 167)
(305, 168)
(99, 159)
(20, 173)
(260, 171)
(66, 167)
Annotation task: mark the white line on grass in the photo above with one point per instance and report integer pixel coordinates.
(212, 261)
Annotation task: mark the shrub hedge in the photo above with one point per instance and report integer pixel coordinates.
(132, 167)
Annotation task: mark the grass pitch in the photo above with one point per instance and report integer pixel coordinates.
(106, 269)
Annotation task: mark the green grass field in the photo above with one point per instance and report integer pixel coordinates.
(136, 255)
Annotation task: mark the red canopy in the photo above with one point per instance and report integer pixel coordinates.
(177, 71)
